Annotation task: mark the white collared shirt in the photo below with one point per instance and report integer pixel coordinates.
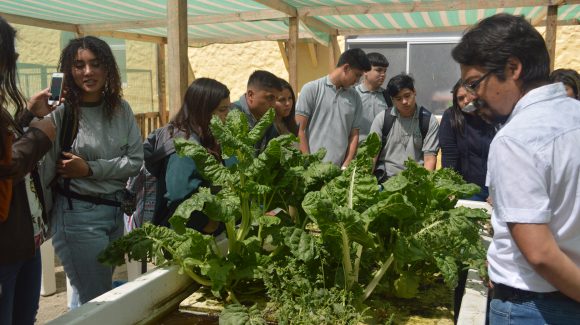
(534, 177)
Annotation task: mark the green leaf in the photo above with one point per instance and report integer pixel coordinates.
(205, 162)
(236, 314)
(261, 127)
(407, 285)
(217, 269)
(301, 244)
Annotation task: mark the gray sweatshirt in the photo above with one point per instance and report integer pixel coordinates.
(112, 148)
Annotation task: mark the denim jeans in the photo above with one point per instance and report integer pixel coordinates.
(80, 234)
(20, 291)
(539, 311)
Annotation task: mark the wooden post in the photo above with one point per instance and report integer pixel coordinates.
(161, 84)
(177, 61)
(282, 47)
(551, 27)
(292, 52)
(332, 57)
(312, 49)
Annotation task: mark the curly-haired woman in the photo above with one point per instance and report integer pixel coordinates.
(98, 148)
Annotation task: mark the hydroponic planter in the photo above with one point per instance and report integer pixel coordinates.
(159, 292)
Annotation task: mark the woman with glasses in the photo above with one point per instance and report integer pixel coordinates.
(465, 138)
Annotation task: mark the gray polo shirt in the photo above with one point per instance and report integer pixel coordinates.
(373, 102)
(404, 141)
(332, 114)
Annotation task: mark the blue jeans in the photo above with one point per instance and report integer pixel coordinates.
(20, 291)
(80, 234)
(540, 311)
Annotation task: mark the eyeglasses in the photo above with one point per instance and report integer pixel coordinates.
(472, 87)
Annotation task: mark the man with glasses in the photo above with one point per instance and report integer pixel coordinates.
(533, 172)
(407, 131)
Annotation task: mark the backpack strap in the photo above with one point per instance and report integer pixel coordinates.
(424, 119)
(70, 127)
(387, 125)
(387, 98)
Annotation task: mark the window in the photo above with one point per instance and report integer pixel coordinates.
(427, 58)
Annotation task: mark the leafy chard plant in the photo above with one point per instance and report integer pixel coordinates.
(410, 227)
(243, 194)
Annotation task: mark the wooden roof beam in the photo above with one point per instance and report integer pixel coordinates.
(201, 42)
(267, 14)
(280, 6)
(425, 6)
(36, 22)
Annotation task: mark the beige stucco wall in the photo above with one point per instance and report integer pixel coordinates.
(232, 64)
(567, 47)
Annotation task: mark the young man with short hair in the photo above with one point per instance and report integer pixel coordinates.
(328, 111)
(533, 172)
(411, 132)
(262, 91)
(371, 91)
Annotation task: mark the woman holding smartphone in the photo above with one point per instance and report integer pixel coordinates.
(98, 148)
(23, 141)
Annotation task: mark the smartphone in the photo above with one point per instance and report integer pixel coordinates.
(56, 83)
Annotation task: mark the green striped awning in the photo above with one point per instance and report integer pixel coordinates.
(211, 21)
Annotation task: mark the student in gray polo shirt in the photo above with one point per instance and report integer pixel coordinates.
(329, 111)
(405, 139)
(371, 93)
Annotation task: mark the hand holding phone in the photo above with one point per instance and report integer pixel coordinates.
(56, 83)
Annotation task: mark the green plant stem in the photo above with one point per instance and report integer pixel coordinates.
(246, 217)
(231, 232)
(197, 278)
(378, 276)
(346, 262)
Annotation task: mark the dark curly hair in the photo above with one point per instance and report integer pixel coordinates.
(112, 92)
(9, 92)
(201, 98)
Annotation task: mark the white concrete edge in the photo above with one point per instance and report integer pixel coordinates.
(474, 302)
(129, 303)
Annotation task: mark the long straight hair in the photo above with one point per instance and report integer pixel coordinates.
(201, 99)
(10, 94)
(457, 118)
(290, 121)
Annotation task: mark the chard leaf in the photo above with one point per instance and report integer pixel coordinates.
(333, 219)
(408, 250)
(396, 183)
(448, 267)
(301, 244)
(217, 269)
(407, 285)
(268, 221)
(205, 162)
(236, 314)
(219, 208)
(396, 206)
(258, 131)
(232, 136)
